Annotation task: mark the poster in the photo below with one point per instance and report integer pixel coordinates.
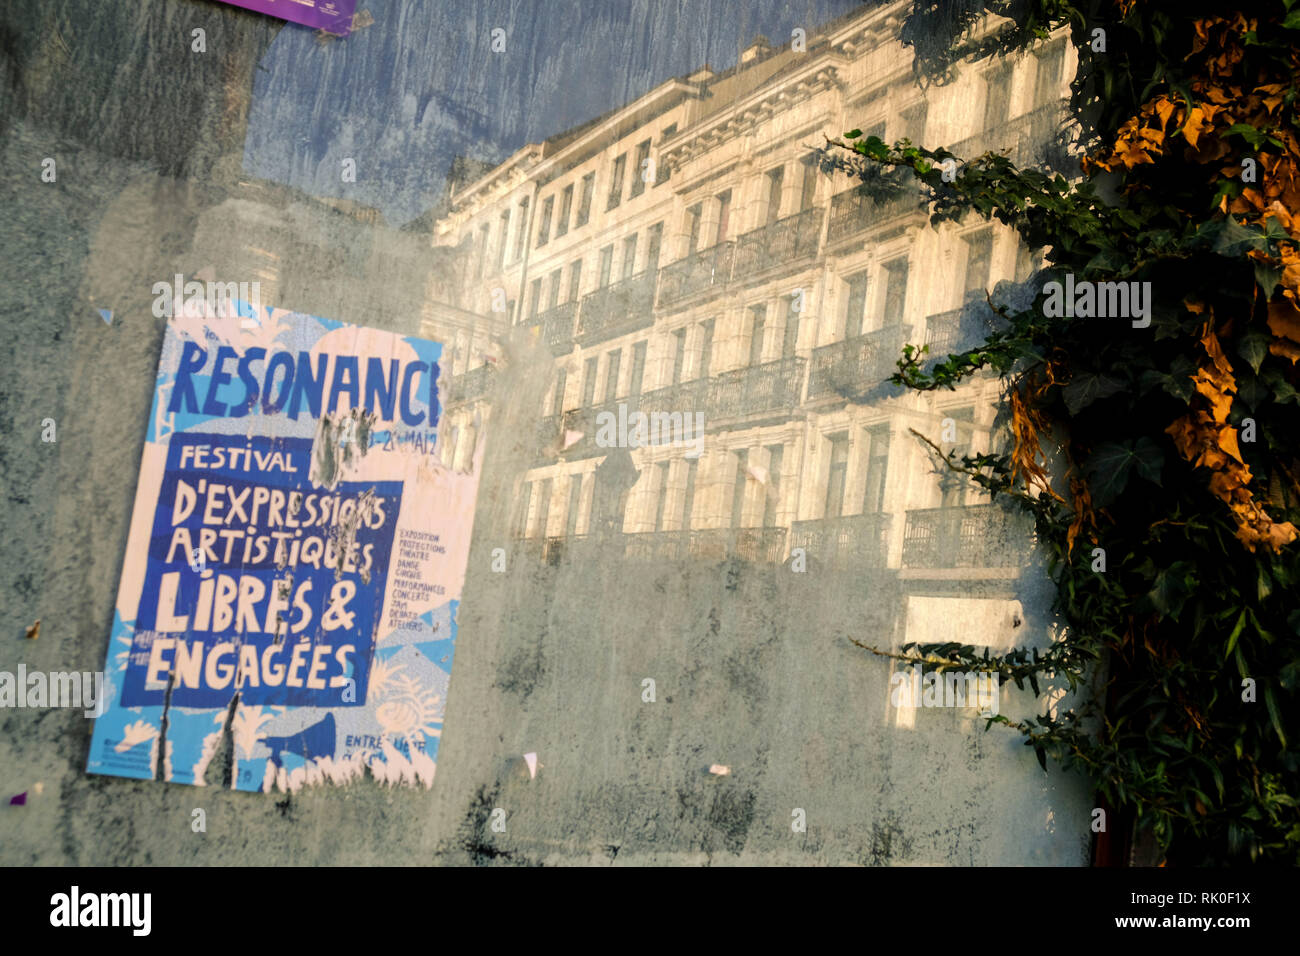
(294, 561)
(333, 16)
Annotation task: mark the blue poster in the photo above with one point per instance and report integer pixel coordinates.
(295, 559)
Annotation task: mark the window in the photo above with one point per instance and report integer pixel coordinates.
(979, 257)
(757, 326)
(662, 475)
(738, 492)
(1047, 80)
(679, 354)
(662, 172)
(534, 297)
(873, 495)
(790, 335)
(775, 180)
(1026, 262)
(912, 124)
(616, 181)
(613, 361)
(706, 348)
(606, 265)
(544, 508)
(953, 493)
(589, 380)
(655, 241)
(595, 515)
(688, 504)
(566, 207)
(584, 200)
(997, 97)
(772, 498)
(839, 466)
(638, 368)
(481, 259)
(521, 230)
(544, 230)
(808, 188)
(557, 400)
(724, 215)
(693, 216)
(629, 256)
(642, 168)
(554, 299)
(895, 292)
(575, 279)
(575, 505)
(526, 502)
(855, 311)
(503, 238)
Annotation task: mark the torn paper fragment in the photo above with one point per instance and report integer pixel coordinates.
(34, 631)
(106, 315)
(19, 800)
(570, 439)
(531, 760)
(758, 473)
(718, 770)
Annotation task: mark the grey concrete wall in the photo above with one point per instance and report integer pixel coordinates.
(753, 665)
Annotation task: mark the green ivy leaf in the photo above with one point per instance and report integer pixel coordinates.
(1109, 466)
(1088, 387)
(1253, 347)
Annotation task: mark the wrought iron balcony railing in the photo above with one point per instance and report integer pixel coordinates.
(1028, 140)
(770, 387)
(853, 212)
(970, 536)
(943, 332)
(471, 385)
(706, 269)
(855, 541)
(783, 242)
(618, 308)
(555, 326)
(855, 365)
(759, 545)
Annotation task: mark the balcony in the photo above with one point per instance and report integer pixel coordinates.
(852, 212)
(854, 366)
(943, 333)
(740, 393)
(616, 309)
(759, 545)
(744, 392)
(856, 541)
(471, 385)
(707, 269)
(1027, 140)
(555, 326)
(971, 536)
(781, 243)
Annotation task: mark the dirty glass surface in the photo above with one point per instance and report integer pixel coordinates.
(667, 336)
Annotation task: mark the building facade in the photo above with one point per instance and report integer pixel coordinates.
(687, 256)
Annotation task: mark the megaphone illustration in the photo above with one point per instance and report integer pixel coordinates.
(314, 741)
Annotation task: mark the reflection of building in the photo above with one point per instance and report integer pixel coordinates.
(684, 253)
